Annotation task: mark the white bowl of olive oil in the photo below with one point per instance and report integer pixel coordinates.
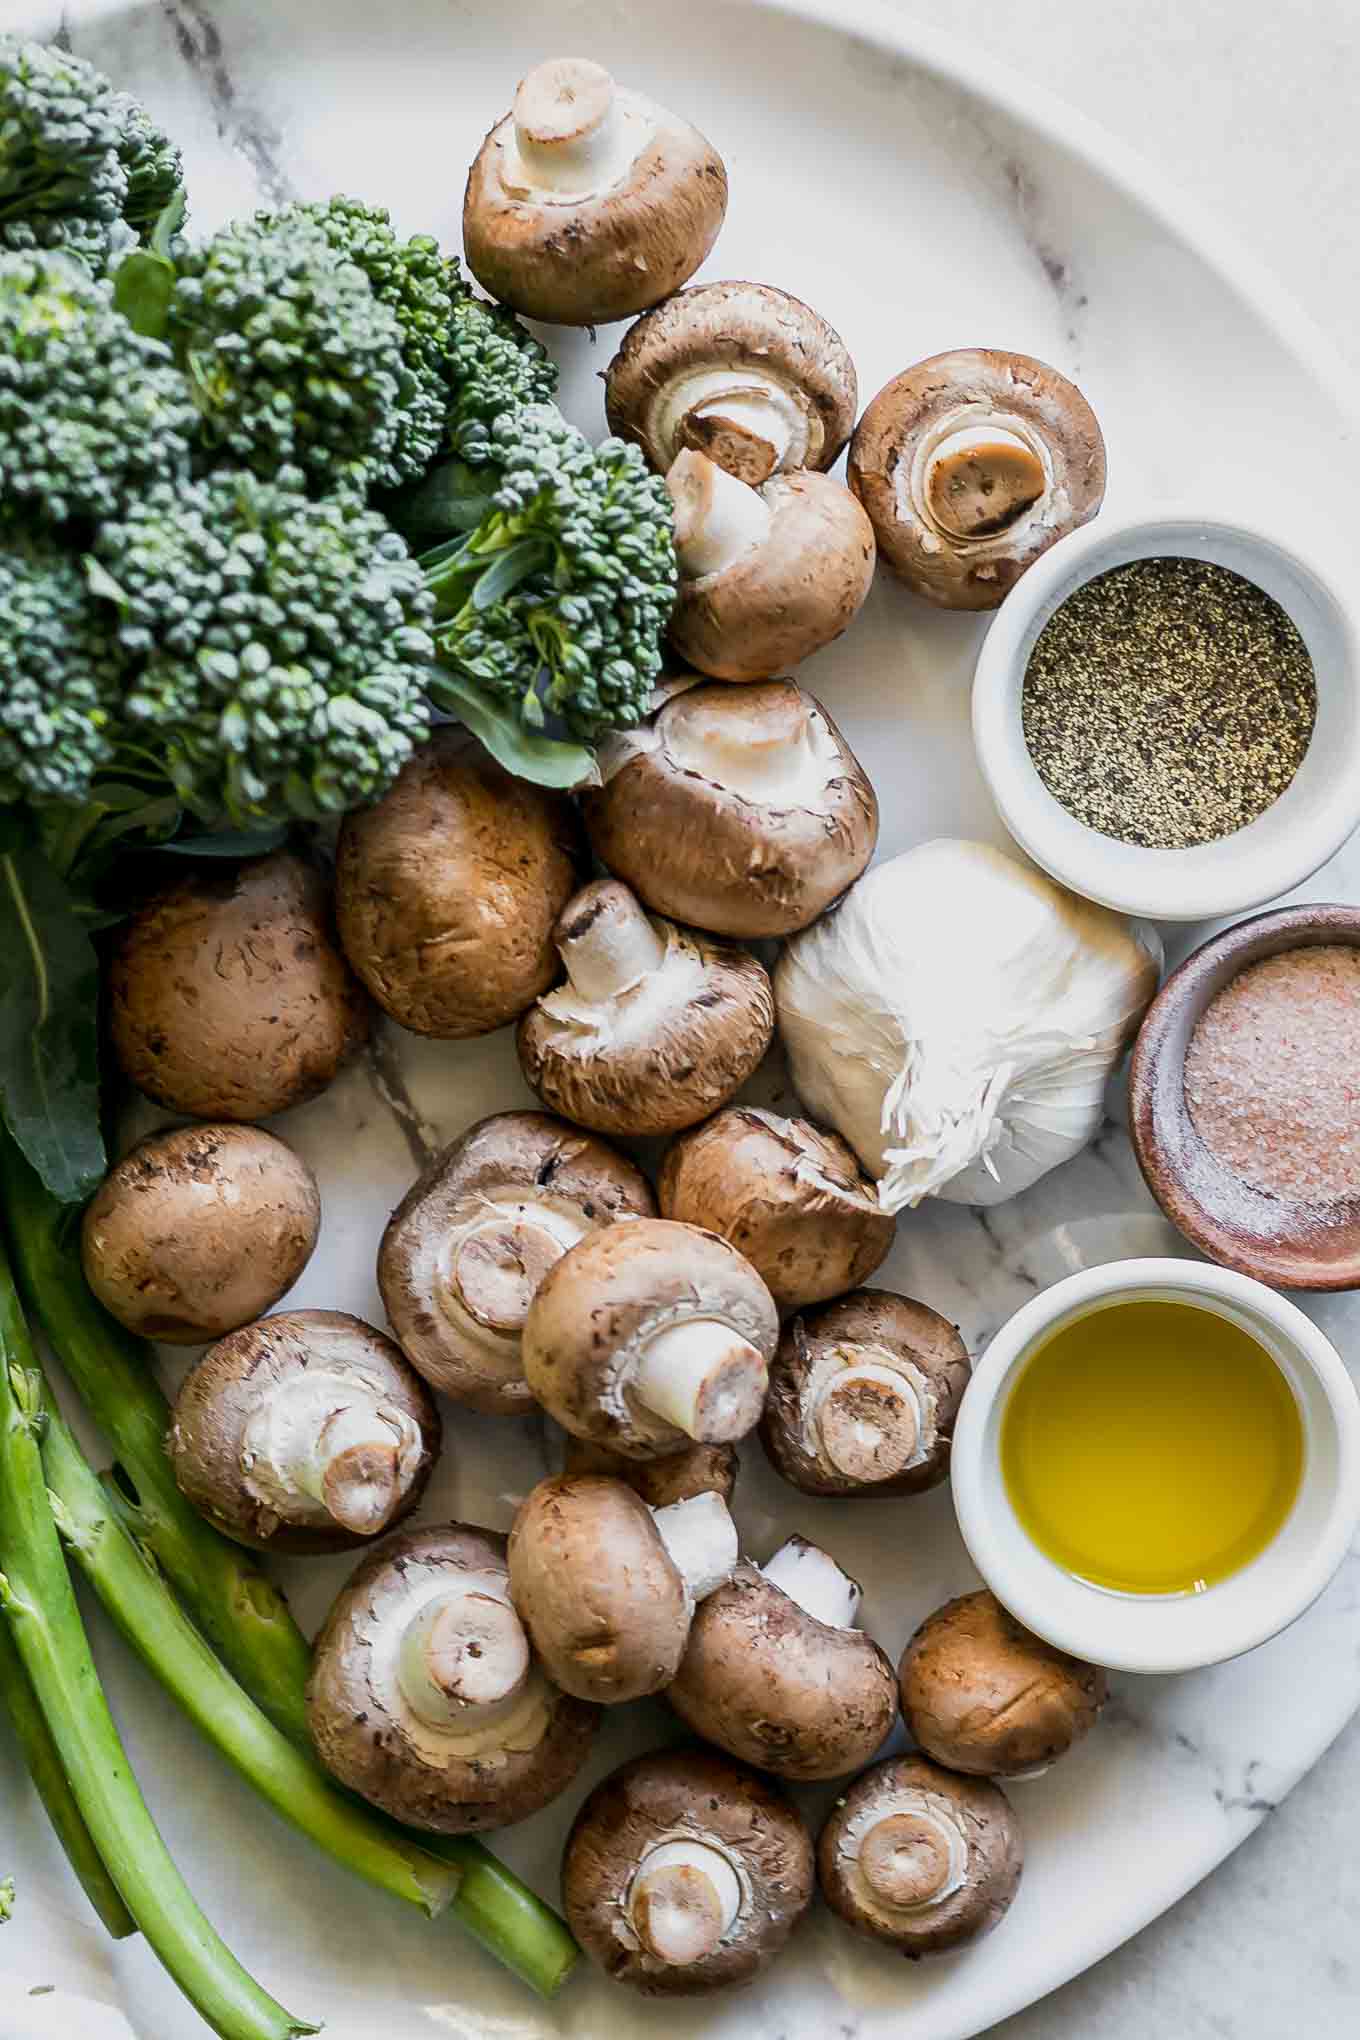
(1157, 1464)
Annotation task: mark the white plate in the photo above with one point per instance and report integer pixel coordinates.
(917, 197)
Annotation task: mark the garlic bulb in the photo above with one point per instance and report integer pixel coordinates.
(956, 1019)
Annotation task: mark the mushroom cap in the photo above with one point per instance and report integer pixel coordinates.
(208, 1441)
(736, 336)
(749, 862)
(981, 1694)
(553, 1184)
(772, 1685)
(228, 998)
(791, 1198)
(198, 1230)
(787, 597)
(888, 1802)
(679, 1477)
(598, 1306)
(448, 887)
(872, 1328)
(602, 1599)
(1056, 432)
(679, 1795)
(365, 1743)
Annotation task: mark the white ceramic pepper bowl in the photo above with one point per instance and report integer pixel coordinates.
(1284, 846)
(1165, 1633)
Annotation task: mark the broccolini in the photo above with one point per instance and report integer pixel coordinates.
(493, 365)
(62, 676)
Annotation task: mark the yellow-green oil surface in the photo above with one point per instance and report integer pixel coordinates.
(1151, 1447)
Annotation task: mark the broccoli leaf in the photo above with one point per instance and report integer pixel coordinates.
(142, 289)
(528, 754)
(229, 843)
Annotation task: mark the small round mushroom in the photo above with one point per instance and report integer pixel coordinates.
(791, 1198)
(448, 887)
(655, 1027)
(742, 810)
(474, 1236)
(304, 1432)
(198, 1230)
(743, 372)
(776, 1673)
(970, 466)
(425, 1697)
(588, 202)
(228, 998)
(768, 576)
(919, 1858)
(648, 1335)
(863, 1397)
(679, 1477)
(607, 1587)
(685, 1873)
(981, 1694)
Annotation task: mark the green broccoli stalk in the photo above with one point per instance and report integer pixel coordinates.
(6, 1899)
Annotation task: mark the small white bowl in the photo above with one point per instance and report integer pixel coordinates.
(1284, 846)
(1165, 1633)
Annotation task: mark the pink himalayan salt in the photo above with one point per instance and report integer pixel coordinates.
(1272, 1075)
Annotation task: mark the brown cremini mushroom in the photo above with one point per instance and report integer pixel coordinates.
(198, 1230)
(970, 466)
(228, 997)
(474, 1236)
(425, 1697)
(742, 372)
(650, 1334)
(303, 1432)
(588, 202)
(738, 809)
(863, 1397)
(679, 1477)
(918, 1858)
(791, 1198)
(448, 887)
(655, 1027)
(776, 1673)
(981, 1694)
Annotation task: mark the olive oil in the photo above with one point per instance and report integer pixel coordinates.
(1151, 1447)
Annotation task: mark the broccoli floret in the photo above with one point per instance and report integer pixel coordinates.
(283, 644)
(493, 365)
(557, 600)
(90, 411)
(61, 673)
(151, 164)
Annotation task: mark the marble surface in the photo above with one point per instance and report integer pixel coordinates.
(1246, 109)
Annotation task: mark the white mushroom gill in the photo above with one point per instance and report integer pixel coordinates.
(703, 1377)
(812, 1578)
(746, 401)
(1024, 465)
(572, 134)
(701, 1538)
(775, 753)
(451, 1659)
(906, 1854)
(866, 1413)
(685, 1897)
(326, 1447)
(718, 519)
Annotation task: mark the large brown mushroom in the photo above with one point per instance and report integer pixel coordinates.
(743, 372)
(685, 1873)
(918, 1858)
(655, 1027)
(740, 809)
(228, 998)
(981, 1694)
(474, 1236)
(306, 1431)
(448, 887)
(679, 1477)
(863, 1397)
(425, 1697)
(970, 466)
(588, 202)
(198, 1230)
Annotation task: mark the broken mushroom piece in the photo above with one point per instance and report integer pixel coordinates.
(738, 809)
(743, 372)
(982, 1694)
(650, 1334)
(776, 1673)
(919, 1858)
(588, 202)
(685, 1873)
(679, 1477)
(863, 1397)
(303, 1432)
(970, 466)
(607, 1587)
(474, 1236)
(425, 1697)
(655, 1026)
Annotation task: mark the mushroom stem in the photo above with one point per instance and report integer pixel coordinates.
(496, 1265)
(684, 1897)
(704, 1378)
(913, 1856)
(717, 518)
(812, 1578)
(607, 942)
(701, 1538)
(463, 1659)
(981, 479)
(752, 428)
(761, 744)
(570, 136)
(327, 1437)
(867, 1422)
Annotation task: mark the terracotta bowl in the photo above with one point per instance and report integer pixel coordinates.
(1280, 1242)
